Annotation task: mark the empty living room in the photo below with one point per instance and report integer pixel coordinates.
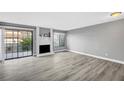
(61, 46)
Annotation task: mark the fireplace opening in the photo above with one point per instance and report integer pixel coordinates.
(44, 49)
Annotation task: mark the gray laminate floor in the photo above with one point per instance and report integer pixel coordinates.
(60, 67)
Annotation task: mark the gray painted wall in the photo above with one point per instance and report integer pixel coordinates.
(105, 40)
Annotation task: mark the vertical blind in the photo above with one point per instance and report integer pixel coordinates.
(59, 40)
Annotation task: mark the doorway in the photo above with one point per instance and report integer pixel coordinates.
(18, 43)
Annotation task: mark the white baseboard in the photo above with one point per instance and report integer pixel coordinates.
(99, 57)
(61, 50)
(1, 61)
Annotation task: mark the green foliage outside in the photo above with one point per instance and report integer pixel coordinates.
(26, 44)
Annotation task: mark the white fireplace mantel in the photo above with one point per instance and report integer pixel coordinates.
(44, 41)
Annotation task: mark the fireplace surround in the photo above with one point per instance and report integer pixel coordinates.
(44, 49)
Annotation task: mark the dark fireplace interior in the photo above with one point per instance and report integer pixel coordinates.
(44, 49)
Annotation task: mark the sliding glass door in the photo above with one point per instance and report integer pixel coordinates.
(18, 43)
(59, 41)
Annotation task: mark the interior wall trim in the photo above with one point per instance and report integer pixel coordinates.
(62, 50)
(16, 25)
(99, 57)
(16, 28)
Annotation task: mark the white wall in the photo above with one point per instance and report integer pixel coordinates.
(44, 40)
(1, 52)
(105, 40)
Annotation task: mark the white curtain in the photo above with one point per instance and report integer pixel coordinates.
(59, 40)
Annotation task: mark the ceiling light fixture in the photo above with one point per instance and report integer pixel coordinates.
(115, 14)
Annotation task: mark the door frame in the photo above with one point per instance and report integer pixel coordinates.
(16, 29)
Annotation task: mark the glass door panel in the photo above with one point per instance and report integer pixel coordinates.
(59, 40)
(14, 44)
(62, 40)
(8, 42)
(56, 40)
(18, 44)
(24, 43)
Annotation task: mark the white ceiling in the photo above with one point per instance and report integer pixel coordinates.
(58, 20)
